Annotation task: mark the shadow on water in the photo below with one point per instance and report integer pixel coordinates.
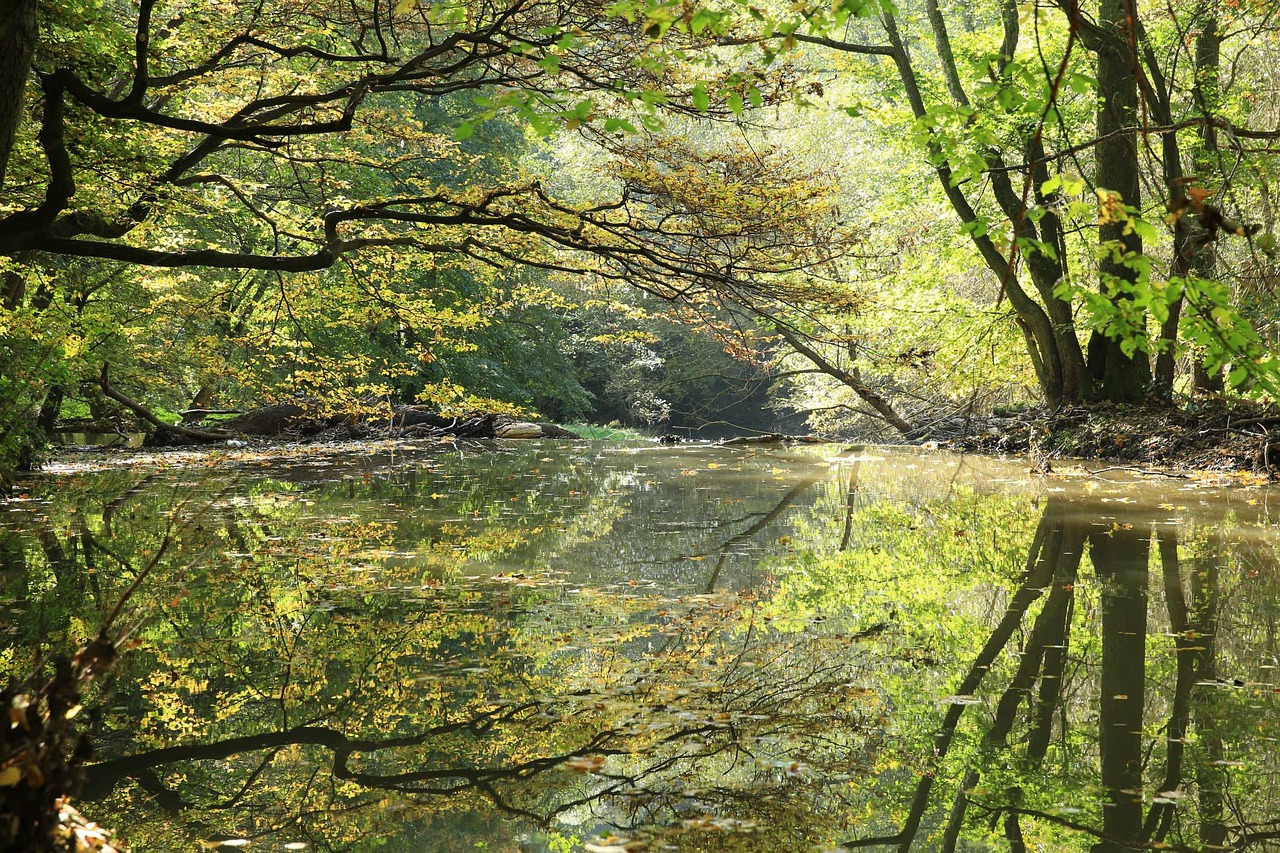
(693, 649)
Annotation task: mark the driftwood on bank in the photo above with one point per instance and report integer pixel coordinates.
(416, 421)
(278, 419)
(196, 415)
(150, 417)
(774, 438)
(298, 419)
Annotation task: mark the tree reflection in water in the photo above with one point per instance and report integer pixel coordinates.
(402, 656)
(1142, 806)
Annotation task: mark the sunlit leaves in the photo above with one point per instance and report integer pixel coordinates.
(701, 101)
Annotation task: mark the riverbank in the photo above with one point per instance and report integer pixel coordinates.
(1209, 438)
(1238, 439)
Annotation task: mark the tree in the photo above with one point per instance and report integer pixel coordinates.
(999, 113)
(317, 158)
(305, 151)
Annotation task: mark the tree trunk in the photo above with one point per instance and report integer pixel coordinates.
(1208, 99)
(1037, 326)
(1192, 255)
(1122, 378)
(17, 44)
(51, 409)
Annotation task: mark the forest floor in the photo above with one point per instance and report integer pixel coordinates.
(1211, 437)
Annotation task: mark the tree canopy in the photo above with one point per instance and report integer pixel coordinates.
(897, 212)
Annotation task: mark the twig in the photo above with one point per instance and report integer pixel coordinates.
(1150, 472)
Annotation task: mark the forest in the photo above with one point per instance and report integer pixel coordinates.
(875, 217)
(889, 223)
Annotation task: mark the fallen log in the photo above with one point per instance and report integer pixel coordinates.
(153, 419)
(437, 426)
(278, 418)
(300, 419)
(774, 438)
(556, 431)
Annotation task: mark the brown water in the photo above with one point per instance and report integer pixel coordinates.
(610, 647)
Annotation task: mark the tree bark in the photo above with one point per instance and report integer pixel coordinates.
(1208, 97)
(50, 409)
(1192, 256)
(1123, 378)
(17, 45)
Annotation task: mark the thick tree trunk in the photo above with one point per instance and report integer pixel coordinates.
(1208, 99)
(1192, 256)
(50, 409)
(1122, 378)
(17, 45)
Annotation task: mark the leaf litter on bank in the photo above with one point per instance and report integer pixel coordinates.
(1236, 440)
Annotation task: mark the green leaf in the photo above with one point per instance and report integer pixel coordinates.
(702, 19)
(701, 101)
(655, 29)
(1144, 229)
(541, 124)
(1082, 83)
(614, 125)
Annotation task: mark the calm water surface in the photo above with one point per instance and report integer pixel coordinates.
(565, 647)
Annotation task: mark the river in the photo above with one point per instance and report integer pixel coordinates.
(610, 647)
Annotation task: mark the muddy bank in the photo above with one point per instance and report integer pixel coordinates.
(1210, 438)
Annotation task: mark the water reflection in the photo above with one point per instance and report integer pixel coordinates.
(642, 648)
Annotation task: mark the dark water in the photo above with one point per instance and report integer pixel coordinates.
(609, 648)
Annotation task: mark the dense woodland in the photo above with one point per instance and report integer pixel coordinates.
(882, 215)
(884, 218)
